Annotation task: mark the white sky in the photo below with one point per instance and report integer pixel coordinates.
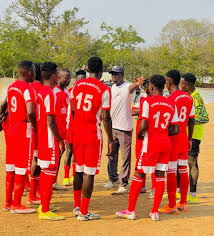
(146, 16)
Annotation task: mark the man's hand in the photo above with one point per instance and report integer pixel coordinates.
(139, 80)
(62, 147)
(190, 145)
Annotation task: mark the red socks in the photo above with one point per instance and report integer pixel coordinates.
(84, 205)
(77, 198)
(19, 186)
(47, 178)
(73, 168)
(134, 192)
(184, 183)
(171, 187)
(10, 176)
(159, 190)
(66, 170)
(34, 186)
(27, 181)
(153, 180)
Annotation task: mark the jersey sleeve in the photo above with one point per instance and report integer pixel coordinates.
(50, 103)
(29, 95)
(192, 112)
(144, 114)
(175, 119)
(106, 100)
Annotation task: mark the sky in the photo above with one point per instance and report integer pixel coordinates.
(146, 16)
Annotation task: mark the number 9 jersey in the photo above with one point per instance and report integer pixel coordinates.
(89, 97)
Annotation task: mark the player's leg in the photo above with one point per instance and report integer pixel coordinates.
(125, 140)
(77, 184)
(184, 180)
(193, 170)
(35, 183)
(160, 168)
(113, 162)
(151, 195)
(170, 208)
(10, 177)
(67, 165)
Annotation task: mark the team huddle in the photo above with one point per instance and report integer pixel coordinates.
(42, 119)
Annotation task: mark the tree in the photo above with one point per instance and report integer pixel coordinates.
(119, 46)
(38, 14)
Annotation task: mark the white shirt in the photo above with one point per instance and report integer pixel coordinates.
(121, 113)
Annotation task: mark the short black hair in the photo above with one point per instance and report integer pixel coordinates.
(66, 70)
(48, 69)
(80, 72)
(175, 76)
(145, 82)
(158, 81)
(95, 65)
(189, 78)
(25, 65)
(38, 71)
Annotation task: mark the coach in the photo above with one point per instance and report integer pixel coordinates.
(122, 128)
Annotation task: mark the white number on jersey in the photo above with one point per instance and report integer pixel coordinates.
(157, 119)
(183, 114)
(87, 101)
(13, 104)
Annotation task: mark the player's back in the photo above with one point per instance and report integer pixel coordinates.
(36, 86)
(88, 96)
(17, 96)
(161, 113)
(185, 107)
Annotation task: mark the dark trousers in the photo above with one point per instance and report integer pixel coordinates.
(122, 141)
(193, 166)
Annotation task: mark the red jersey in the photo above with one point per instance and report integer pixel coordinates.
(160, 113)
(185, 106)
(36, 86)
(19, 93)
(62, 101)
(47, 143)
(90, 97)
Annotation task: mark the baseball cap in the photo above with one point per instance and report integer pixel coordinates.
(117, 69)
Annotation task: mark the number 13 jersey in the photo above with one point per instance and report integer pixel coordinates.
(90, 97)
(185, 106)
(160, 113)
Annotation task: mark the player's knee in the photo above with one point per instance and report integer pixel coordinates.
(159, 173)
(191, 161)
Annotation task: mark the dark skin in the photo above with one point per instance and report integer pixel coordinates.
(172, 88)
(79, 77)
(64, 79)
(84, 181)
(118, 79)
(144, 125)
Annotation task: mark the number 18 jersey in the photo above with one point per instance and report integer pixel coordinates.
(185, 106)
(90, 97)
(160, 113)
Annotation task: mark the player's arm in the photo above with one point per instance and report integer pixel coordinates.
(3, 107)
(138, 82)
(191, 123)
(31, 114)
(174, 127)
(107, 123)
(142, 129)
(53, 127)
(135, 112)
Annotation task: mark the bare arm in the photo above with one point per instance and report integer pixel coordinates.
(31, 114)
(135, 112)
(191, 124)
(107, 123)
(138, 82)
(142, 129)
(174, 130)
(3, 107)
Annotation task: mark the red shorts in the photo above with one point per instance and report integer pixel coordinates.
(183, 159)
(19, 148)
(48, 156)
(149, 162)
(87, 156)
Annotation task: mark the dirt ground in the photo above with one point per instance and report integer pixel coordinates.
(199, 220)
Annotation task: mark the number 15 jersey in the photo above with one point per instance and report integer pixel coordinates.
(90, 97)
(160, 113)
